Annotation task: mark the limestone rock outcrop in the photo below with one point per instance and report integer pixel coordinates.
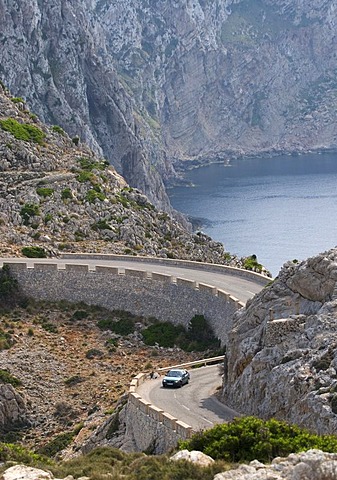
(282, 352)
(13, 409)
(311, 465)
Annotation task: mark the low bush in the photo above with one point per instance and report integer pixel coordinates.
(198, 337)
(8, 284)
(66, 194)
(251, 263)
(29, 210)
(120, 322)
(93, 194)
(34, 252)
(57, 444)
(45, 191)
(58, 129)
(6, 377)
(23, 131)
(249, 438)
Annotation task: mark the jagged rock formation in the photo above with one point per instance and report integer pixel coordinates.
(156, 85)
(282, 352)
(62, 197)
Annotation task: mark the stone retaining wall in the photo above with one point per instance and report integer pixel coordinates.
(142, 293)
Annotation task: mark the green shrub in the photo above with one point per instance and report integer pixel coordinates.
(17, 100)
(198, 337)
(66, 194)
(8, 284)
(45, 191)
(76, 140)
(23, 131)
(58, 129)
(34, 252)
(90, 164)
(49, 327)
(163, 333)
(249, 438)
(47, 218)
(84, 176)
(93, 353)
(6, 377)
(57, 444)
(74, 380)
(18, 454)
(80, 315)
(29, 210)
(93, 194)
(251, 263)
(123, 327)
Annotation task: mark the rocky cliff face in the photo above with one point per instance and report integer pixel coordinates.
(158, 85)
(282, 351)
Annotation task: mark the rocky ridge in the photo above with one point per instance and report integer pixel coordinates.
(282, 352)
(60, 196)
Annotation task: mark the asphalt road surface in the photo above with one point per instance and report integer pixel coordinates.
(241, 288)
(194, 403)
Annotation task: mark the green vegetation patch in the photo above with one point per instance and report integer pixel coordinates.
(249, 438)
(34, 252)
(45, 191)
(59, 443)
(19, 454)
(120, 322)
(6, 377)
(66, 194)
(93, 195)
(58, 129)
(89, 164)
(112, 463)
(251, 263)
(23, 131)
(8, 284)
(29, 210)
(198, 337)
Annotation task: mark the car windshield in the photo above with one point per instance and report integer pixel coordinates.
(174, 373)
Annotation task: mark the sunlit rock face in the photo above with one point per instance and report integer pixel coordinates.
(157, 86)
(282, 352)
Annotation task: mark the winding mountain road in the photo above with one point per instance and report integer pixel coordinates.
(241, 288)
(195, 403)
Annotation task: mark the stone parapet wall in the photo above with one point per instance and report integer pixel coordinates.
(142, 293)
(208, 267)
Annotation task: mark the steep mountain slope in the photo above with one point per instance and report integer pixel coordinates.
(155, 84)
(282, 351)
(60, 196)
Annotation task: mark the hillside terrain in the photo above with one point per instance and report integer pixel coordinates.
(66, 374)
(158, 87)
(57, 195)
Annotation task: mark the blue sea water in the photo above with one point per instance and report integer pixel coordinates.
(280, 208)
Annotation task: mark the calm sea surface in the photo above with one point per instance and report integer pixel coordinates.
(279, 209)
